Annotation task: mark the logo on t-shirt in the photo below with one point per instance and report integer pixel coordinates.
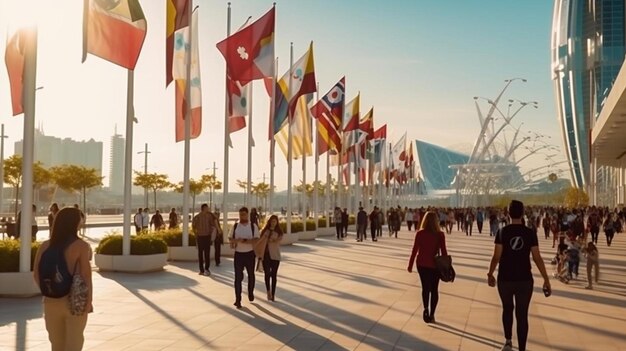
(517, 243)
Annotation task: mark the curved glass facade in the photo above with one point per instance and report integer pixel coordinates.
(587, 54)
(435, 162)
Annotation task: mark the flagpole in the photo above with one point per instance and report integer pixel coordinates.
(28, 93)
(250, 144)
(303, 197)
(317, 160)
(187, 112)
(226, 137)
(328, 178)
(272, 140)
(289, 145)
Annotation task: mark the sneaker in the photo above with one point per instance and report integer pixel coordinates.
(201, 273)
(251, 297)
(237, 304)
(425, 316)
(508, 346)
(207, 273)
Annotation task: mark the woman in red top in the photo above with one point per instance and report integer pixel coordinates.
(428, 240)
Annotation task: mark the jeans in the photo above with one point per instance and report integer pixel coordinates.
(244, 260)
(592, 265)
(429, 277)
(479, 224)
(361, 231)
(65, 331)
(271, 271)
(203, 243)
(521, 292)
(468, 228)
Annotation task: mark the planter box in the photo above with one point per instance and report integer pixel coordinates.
(323, 231)
(18, 284)
(289, 239)
(307, 236)
(131, 263)
(190, 253)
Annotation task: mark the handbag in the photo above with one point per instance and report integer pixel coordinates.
(77, 298)
(443, 263)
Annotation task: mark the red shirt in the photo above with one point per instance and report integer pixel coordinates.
(426, 247)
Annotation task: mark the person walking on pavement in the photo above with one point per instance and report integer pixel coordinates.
(513, 245)
(361, 225)
(345, 221)
(203, 226)
(480, 218)
(243, 237)
(138, 220)
(337, 216)
(145, 220)
(157, 221)
(268, 249)
(374, 224)
(173, 218)
(469, 222)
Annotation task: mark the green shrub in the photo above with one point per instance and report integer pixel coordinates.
(351, 220)
(10, 255)
(296, 227)
(321, 222)
(174, 237)
(144, 244)
(310, 225)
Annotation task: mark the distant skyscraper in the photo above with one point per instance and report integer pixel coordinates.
(116, 169)
(587, 54)
(53, 151)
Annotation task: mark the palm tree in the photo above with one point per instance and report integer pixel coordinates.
(196, 187)
(244, 185)
(212, 185)
(261, 191)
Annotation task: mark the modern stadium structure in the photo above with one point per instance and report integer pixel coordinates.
(588, 38)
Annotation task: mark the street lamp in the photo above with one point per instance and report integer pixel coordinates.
(145, 170)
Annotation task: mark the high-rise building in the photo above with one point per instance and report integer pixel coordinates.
(53, 151)
(588, 38)
(116, 169)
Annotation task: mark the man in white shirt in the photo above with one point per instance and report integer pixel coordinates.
(145, 220)
(243, 237)
(138, 220)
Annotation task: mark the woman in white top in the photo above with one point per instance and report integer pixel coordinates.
(242, 238)
(268, 249)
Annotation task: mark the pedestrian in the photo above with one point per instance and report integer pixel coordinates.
(609, 229)
(203, 226)
(593, 226)
(242, 238)
(34, 227)
(173, 218)
(469, 222)
(374, 223)
(409, 219)
(254, 216)
(54, 209)
(493, 223)
(546, 226)
(345, 221)
(65, 330)
(429, 240)
(138, 220)
(381, 222)
(394, 222)
(157, 221)
(337, 216)
(145, 220)
(218, 238)
(361, 225)
(268, 249)
(513, 245)
(480, 217)
(593, 263)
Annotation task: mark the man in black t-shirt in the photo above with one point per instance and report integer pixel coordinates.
(513, 246)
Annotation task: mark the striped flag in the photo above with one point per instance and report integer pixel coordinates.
(300, 131)
(328, 111)
(114, 31)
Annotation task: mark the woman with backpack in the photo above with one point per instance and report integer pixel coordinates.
(58, 263)
(428, 241)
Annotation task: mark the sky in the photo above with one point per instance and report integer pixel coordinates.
(419, 63)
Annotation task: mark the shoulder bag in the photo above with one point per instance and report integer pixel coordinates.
(443, 264)
(77, 298)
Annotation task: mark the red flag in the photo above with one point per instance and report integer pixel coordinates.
(177, 17)
(181, 108)
(381, 133)
(328, 111)
(249, 52)
(14, 59)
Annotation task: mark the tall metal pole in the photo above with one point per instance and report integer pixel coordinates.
(226, 138)
(317, 160)
(30, 78)
(212, 192)
(128, 161)
(145, 171)
(2, 136)
(289, 146)
(272, 140)
(248, 201)
(187, 156)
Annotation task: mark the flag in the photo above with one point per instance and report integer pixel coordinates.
(237, 105)
(300, 132)
(302, 82)
(366, 127)
(380, 133)
(14, 60)
(328, 111)
(398, 157)
(114, 30)
(351, 124)
(179, 73)
(177, 18)
(249, 52)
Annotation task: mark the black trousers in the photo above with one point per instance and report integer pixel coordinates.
(218, 252)
(271, 272)
(339, 228)
(468, 228)
(595, 231)
(409, 224)
(515, 296)
(204, 252)
(609, 236)
(429, 277)
(479, 224)
(244, 260)
(373, 231)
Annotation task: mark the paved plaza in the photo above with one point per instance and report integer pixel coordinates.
(336, 295)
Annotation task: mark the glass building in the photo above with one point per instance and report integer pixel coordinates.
(435, 162)
(587, 47)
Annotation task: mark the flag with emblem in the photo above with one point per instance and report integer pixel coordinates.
(398, 158)
(177, 17)
(237, 106)
(114, 30)
(14, 60)
(328, 111)
(350, 123)
(182, 48)
(300, 131)
(249, 52)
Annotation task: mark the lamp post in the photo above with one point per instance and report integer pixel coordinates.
(145, 152)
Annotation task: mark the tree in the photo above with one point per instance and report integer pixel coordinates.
(41, 177)
(576, 197)
(196, 187)
(261, 191)
(152, 181)
(13, 175)
(78, 179)
(244, 185)
(212, 184)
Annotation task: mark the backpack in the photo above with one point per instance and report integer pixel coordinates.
(55, 279)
